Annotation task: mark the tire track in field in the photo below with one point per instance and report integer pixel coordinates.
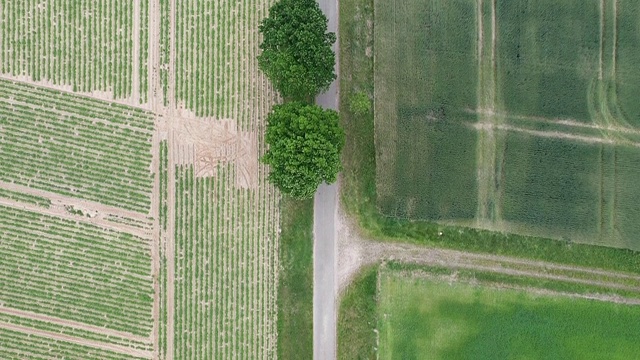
(605, 112)
(79, 341)
(486, 151)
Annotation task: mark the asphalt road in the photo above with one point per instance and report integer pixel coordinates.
(324, 232)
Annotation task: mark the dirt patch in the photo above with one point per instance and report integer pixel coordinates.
(208, 143)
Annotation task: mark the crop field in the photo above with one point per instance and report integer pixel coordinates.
(88, 46)
(75, 271)
(512, 116)
(429, 318)
(136, 221)
(226, 268)
(17, 345)
(75, 146)
(215, 61)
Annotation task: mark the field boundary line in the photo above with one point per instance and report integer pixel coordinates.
(62, 89)
(58, 212)
(79, 341)
(73, 324)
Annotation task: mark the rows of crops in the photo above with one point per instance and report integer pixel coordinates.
(163, 193)
(75, 271)
(216, 46)
(426, 72)
(144, 51)
(164, 190)
(85, 44)
(25, 198)
(75, 146)
(165, 47)
(226, 263)
(16, 345)
(74, 332)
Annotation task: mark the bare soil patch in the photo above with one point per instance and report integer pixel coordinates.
(206, 144)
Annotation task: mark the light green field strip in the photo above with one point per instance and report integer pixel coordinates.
(75, 146)
(75, 271)
(420, 318)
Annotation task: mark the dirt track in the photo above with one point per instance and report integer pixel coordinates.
(356, 252)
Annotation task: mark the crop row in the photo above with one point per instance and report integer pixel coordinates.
(165, 47)
(226, 261)
(88, 156)
(17, 345)
(144, 50)
(75, 271)
(75, 332)
(135, 118)
(216, 48)
(25, 198)
(164, 191)
(85, 44)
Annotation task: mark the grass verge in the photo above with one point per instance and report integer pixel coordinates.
(295, 284)
(358, 189)
(357, 317)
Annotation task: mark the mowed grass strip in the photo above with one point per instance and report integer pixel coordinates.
(295, 281)
(422, 318)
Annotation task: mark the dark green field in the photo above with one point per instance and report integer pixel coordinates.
(429, 319)
(516, 116)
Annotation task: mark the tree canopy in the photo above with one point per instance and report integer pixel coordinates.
(296, 49)
(305, 142)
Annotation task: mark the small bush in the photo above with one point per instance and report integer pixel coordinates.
(359, 103)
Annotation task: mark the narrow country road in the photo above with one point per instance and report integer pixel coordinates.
(324, 231)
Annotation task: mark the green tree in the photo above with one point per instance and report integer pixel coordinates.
(305, 142)
(296, 49)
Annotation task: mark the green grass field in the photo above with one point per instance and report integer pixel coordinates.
(516, 116)
(428, 319)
